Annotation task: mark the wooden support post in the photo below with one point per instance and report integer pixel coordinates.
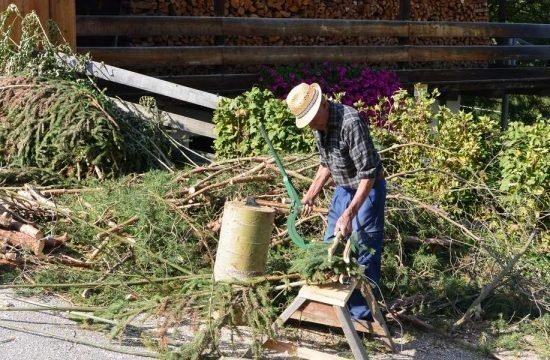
(25, 7)
(63, 12)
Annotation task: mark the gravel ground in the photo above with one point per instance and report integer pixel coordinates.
(26, 342)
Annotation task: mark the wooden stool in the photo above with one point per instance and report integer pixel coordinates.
(326, 305)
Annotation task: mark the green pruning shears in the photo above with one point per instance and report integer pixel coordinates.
(296, 205)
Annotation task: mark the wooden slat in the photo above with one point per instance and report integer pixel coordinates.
(88, 25)
(174, 121)
(220, 55)
(323, 314)
(63, 12)
(333, 294)
(148, 83)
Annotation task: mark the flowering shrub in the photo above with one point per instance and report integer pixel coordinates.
(361, 86)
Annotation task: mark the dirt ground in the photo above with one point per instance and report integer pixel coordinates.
(47, 335)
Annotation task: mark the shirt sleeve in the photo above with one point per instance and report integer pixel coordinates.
(361, 149)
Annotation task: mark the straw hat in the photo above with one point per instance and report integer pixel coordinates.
(303, 101)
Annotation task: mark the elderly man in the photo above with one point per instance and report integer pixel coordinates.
(348, 155)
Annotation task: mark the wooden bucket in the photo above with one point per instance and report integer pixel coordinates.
(244, 241)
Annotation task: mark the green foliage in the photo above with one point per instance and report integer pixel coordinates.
(443, 149)
(523, 108)
(238, 132)
(313, 264)
(70, 128)
(523, 11)
(525, 159)
(36, 54)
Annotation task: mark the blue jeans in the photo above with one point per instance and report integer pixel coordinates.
(369, 225)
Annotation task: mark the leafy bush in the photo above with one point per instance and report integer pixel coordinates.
(237, 126)
(524, 161)
(441, 148)
(360, 85)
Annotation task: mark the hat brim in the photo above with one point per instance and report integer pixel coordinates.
(307, 117)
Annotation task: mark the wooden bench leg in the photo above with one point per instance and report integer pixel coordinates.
(296, 304)
(378, 316)
(354, 341)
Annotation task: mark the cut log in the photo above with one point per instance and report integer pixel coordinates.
(7, 222)
(8, 263)
(23, 241)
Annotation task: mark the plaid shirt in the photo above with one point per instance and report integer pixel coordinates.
(347, 148)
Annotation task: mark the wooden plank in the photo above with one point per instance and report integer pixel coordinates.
(219, 55)
(354, 341)
(292, 350)
(147, 83)
(16, 30)
(136, 26)
(25, 7)
(333, 294)
(175, 121)
(428, 75)
(63, 12)
(324, 314)
(40, 7)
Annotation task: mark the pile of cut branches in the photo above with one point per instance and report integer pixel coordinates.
(71, 129)
(56, 122)
(149, 243)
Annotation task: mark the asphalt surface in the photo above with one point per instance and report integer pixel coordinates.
(38, 334)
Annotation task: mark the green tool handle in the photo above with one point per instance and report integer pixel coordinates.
(296, 201)
(296, 205)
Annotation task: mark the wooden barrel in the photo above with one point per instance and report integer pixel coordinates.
(244, 241)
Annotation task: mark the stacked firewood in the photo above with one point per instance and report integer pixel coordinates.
(422, 10)
(465, 11)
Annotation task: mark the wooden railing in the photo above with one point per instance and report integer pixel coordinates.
(137, 26)
(185, 26)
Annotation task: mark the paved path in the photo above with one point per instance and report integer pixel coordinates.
(26, 344)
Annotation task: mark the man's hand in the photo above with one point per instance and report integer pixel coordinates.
(343, 225)
(307, 205)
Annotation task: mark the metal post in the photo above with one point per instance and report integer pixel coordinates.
(504, 114)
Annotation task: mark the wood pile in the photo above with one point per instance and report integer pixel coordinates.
(19, 235)
(466, 11)
(423, 10)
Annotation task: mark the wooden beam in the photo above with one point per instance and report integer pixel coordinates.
(136, 26)
(514, 80)
(470, 74)
(144, 82)
(142, 57)
(175, 121)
